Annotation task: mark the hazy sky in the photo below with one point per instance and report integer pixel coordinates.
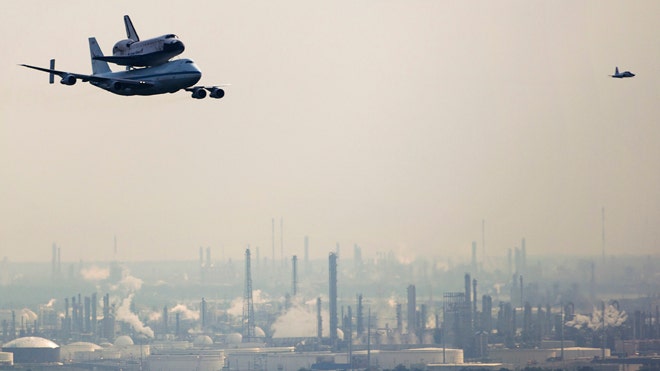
(396, 125)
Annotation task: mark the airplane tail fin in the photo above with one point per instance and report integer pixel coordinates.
(616, 70)
(98, 66)
(130, 30)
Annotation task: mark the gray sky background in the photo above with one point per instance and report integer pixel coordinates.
(396, 125)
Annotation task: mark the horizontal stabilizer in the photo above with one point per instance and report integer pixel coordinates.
(51, 78)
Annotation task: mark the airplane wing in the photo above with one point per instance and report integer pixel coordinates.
(94, 78)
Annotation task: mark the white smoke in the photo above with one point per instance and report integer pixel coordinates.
(186, 313)
(124, 314)
(300, 321)
(155, 316)
(50, 303)
(127, 285)
(130, 283)
(612, 318)
(236, 307)
(95, 273)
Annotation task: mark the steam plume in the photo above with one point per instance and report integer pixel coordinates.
(124, 314)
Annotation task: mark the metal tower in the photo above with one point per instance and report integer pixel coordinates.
(294, 283)
(248, 305)
(333, 298)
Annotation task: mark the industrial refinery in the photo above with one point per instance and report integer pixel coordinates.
(346, 312)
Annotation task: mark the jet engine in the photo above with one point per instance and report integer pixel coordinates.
(217, 93)
(199, 93)
(68, 80)
(117, 86)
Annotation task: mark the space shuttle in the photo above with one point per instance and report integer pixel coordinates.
(133, 52)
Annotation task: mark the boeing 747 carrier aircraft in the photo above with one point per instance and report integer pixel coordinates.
(168, 77)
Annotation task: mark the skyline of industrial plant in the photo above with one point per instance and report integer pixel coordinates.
(485, 313)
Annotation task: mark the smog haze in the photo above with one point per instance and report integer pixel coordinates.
(396, 125)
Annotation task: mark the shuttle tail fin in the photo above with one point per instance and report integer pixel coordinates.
(130, 30)
(98, 66)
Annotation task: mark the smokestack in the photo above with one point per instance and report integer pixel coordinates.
(422, 317)
(94, 314)
(333, 298)
(248, 305)
(208, 256)
(521, 290)
(319, 319)
(66, 308)
(165, 317)
(467, 333)
(108, 319)
(294, 285)
(201, 256)
(202, 313)
(399, 318)
(474, 296)
(468, 288)
(510, 265)
(74, 313)
(360, 316)
(412, 310)
(178, 325)
(486, 313)
(603, 232)
(88, 314)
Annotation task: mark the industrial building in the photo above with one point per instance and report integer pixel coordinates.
(33, 349)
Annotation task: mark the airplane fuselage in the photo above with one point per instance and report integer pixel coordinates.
(165, 78)
(623, 75)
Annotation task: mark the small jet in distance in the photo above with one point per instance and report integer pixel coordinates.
(132, 52)
(168, 77)
(621, 75)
